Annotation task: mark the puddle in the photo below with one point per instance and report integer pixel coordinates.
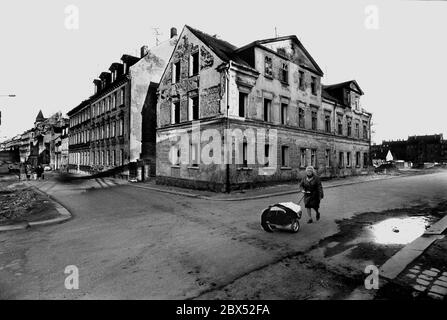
(400, 230)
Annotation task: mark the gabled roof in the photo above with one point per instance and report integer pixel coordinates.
(346, 84)
(294, 38)
(223, 49)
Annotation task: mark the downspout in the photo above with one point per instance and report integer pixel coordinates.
(227, 187)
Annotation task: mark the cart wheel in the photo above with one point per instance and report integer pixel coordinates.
(265, 225)
(295, 226)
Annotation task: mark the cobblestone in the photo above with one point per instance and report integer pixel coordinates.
(411, 276)
(430, 273)
(439, 290)
(441, 283)
(435, 270)
(422, 282)
(419, 288)
(443, 278)
(435, 296)
(424, 277)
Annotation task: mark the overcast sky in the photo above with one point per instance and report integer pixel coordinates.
(401, 66)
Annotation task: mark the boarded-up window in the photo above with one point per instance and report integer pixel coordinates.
(268, 67)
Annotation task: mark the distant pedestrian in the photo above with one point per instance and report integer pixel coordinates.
(313, 192)
(39, 172)
(28, 171)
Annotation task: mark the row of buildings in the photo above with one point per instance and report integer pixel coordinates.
(46, 143)
(142, 106)
(416, 150)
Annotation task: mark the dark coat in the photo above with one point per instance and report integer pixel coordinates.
(314, 186)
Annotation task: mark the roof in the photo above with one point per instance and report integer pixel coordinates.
(78, 107)
(290, 37)
(344, 85)
(223, 49)
(40, 116)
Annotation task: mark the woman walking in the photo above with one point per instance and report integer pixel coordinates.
(313, 192)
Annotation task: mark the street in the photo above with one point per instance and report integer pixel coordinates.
(132, 243)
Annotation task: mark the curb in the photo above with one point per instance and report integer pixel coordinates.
(280, 193)
(65, 215)
(400, 261)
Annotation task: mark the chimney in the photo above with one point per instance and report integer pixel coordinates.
(173, 32)
(144, 51)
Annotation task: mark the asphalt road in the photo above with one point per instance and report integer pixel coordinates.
(132, 243)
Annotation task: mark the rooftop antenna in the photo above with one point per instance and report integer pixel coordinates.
(157, 33)
(276, 32)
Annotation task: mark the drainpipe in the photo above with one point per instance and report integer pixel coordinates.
(228, 127)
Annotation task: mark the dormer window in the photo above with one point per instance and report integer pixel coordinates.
(268, 67)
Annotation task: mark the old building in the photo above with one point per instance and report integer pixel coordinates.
(41, 140)
(115, 127)
(270, 86)
(416, 149)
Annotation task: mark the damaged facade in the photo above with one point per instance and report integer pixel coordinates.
(115, 127)
(269, 85)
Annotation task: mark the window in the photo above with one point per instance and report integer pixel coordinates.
(121, 156)
(244, 153)
(348, 159)
(121, 127)
(365, 130)
(301, 117)
(194, 108)
(347, 97)
(175, 112)
(341, 159)
(349, 124)
(283, 113)
(194, 155)
(266, 154)
(313, 86)
(301, 80)
(284, 156)
(267, 108)
(108, 158)
(194, 64)
(357, 159)
(357, 130)
(303, 162)
(284, 73)
(113, 133)
(314, 120)
(313, 158)
(268, 67)
(113, 160)
(108, 130)
(327, 122)
(121, 102)
(113, 102)
(365, 159)
(243, 97)
(176, 72)
(340, 125)
(327, 158)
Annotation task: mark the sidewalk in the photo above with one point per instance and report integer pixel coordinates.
(258, 193)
